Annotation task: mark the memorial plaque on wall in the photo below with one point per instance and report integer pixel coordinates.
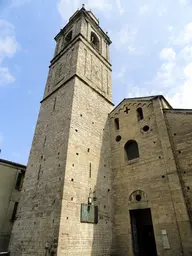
(89, 214)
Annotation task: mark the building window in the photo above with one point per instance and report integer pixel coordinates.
(139, 114)
(68, 37)
(14, 212)
(116, 123)
(20, 179)
(95, 41)
(131, 150)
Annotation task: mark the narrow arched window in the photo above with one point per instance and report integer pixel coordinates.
(139, 114)
(95, 40)
(131, 150)
(117, 123)
(68, 37)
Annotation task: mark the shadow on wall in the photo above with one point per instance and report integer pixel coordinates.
(103, 237)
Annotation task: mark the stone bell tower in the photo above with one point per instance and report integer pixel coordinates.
(66, 206)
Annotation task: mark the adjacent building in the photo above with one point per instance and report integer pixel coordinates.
(11, 181)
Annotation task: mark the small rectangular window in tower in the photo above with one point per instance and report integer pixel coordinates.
(14, 211)
(140, 114)
(54, 104)
(117, 123)
(20, 179)
(89, 170)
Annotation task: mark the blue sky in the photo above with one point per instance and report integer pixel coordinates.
(151, 54)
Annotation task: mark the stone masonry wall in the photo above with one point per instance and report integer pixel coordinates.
(62, 69)
(94, 70)
(87, 169)
(180, 132)
(154, 173)
(70, 155)
(39, 209)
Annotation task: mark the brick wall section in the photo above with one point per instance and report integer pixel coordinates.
(154, 173)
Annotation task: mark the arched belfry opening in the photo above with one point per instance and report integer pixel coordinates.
(68, 37)
(95, 41)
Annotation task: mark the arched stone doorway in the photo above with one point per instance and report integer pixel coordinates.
(143, 238)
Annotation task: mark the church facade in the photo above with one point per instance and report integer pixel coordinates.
(100, 180)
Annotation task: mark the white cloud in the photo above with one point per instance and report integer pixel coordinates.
(173, 78)
(8, 47)
(67, 7)
(126, 39)
(183, 2)
(188, 70)
(181, 96)
(120, 75)
(18, 3)
(165, 76)
(101, 5)
(186, 53)
(161, 11)
(168, 54)
(119, 6)
(185, 36)
(143, 9)
(5, 76)
(170, 28)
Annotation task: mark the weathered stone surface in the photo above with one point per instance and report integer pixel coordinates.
(155, 172)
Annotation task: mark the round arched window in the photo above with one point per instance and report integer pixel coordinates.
(131, 149)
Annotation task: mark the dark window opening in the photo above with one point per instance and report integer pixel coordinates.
(138, 198)
(131, 150)
(68, 37)
(146, 128)
(54, 104)
(139, 114)
(14, 212)
(89, 170)
(117, 123)
(20, 179)
(95, 41)
(118, 138)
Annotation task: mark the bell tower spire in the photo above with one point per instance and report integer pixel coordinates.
(82, 49)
